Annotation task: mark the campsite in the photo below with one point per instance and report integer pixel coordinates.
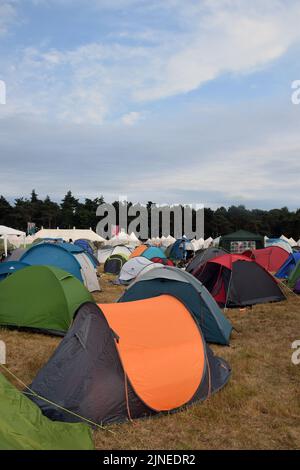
(244, 390)
(149, 232)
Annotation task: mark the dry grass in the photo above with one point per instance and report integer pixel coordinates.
(258, 409)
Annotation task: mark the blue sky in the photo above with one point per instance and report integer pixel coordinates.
(178, 101)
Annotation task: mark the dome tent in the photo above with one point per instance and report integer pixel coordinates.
(10, 267)
(108, 251)
(288, 267)
(238, 281)
(161, 280)
(139, 250)
(153, 252)
(41, 298)
(270, 258)
(23, 427)
(114, 264)
(121, 361)
(203, 256)
(64, 256)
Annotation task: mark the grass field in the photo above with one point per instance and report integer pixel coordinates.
(258, 409)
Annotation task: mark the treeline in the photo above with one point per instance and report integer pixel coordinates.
(71, 212)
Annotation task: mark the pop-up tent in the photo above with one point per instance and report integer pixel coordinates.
(41, 298)
(238, 281)
(23, 427)
(161, 280)
(129, 360)
(7, 232)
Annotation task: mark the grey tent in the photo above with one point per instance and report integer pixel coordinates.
(16, 254)
(185, 287)
(202, 256)
(132, 268)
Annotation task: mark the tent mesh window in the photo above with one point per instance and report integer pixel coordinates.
(239, 247)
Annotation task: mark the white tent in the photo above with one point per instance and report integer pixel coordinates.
(216, 241)
(292, 242)
(69, 234)
(208, 242)
(121, 239)
(6, 233)
(133, 239)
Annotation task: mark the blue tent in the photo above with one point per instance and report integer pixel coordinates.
(10, 267)
(53, 254)
(72, 248)
(85, 245)
(288, 266)
(178, 250)
(164, 280)
(153, 252)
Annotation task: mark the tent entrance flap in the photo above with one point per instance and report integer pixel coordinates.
(161, 349)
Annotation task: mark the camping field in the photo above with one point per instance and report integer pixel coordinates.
(258, 409)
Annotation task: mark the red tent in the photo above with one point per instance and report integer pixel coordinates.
(270, 258)
(238, 281)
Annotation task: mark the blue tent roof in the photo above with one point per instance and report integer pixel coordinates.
(178, 250)
(10, 267)
(288, 266)
(49, 254)
(153, 252)
(85, 245)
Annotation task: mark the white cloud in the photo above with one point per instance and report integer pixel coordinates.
(99, 81)
(131, 118)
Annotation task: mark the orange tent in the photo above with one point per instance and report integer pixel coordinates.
(138, 251)
(129, 360)
(164, 370)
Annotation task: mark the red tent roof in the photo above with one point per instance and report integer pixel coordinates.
(228, 260)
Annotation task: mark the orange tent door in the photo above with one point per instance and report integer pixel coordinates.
(161, 349)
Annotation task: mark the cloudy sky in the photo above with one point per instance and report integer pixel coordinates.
(170, 100)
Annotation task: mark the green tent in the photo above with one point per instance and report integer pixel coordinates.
(294, 276)
(41, 297)
(240, 241)
(24, 427)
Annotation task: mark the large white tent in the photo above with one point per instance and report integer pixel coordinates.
(8, 233)
(69, 234)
